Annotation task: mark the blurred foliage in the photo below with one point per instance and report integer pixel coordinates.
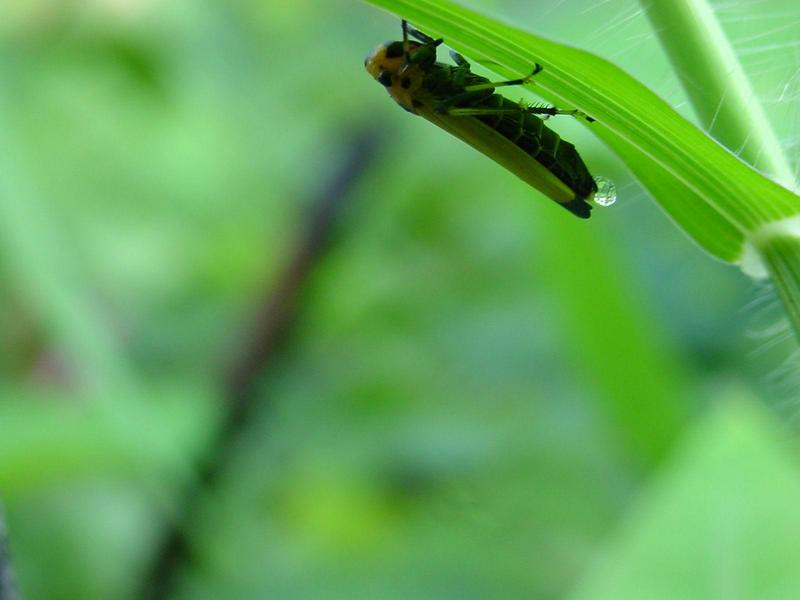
(721, 522)
(482, 397)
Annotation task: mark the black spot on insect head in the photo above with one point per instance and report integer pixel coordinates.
(417, 103)
(385, 78)
(405, 83)
(394, 49)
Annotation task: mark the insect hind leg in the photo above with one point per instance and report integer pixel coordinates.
(552, 111)
(483, 111)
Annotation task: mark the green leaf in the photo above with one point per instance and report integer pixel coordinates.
(716, 198)
(721, 522)
(717, 86)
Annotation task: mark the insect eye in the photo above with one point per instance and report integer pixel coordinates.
(385, 78)
(394, 50)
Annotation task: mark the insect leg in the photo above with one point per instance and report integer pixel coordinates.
(444, 107)
(534, 110)
(406, 55)
(552, 111)
(495, 84)
(480, 112)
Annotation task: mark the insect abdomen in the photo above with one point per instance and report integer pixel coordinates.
(543, 144)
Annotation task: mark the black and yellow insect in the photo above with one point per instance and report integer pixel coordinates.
(466, 105)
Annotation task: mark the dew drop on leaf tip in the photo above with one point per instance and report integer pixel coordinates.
(606, 193)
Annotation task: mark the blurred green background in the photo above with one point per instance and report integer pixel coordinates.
(480, 397)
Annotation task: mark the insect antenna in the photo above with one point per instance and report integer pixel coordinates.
(406, 56)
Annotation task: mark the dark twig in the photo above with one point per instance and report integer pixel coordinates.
(8, 588)
(264, 341)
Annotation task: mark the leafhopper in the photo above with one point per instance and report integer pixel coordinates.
(467, 106)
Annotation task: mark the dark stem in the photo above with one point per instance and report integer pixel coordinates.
(265, 339)
(8, 588)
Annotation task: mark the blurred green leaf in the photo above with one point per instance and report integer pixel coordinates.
(46, 441)
(721, 521)
(616, 344)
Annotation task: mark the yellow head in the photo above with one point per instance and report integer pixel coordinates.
(392, 66)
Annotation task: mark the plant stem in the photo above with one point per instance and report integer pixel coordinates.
(716, 85)
(8, 588)
(263, 345)
(729, 110)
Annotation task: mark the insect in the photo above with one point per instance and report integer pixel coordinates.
(467, 106)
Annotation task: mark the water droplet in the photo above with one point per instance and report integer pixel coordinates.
(606, 193)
